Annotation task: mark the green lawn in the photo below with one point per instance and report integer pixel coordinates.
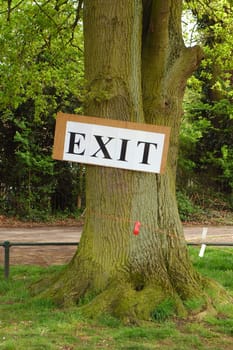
(28, 323)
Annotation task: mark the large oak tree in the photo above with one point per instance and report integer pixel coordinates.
(136, 66)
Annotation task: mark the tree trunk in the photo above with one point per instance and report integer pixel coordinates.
(136, 66)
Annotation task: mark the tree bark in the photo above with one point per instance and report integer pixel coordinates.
(136, 66)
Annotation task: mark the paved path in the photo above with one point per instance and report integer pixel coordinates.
(215, 234)
(61, 255)
(40, 255)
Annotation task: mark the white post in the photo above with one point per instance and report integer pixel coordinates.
(203, 246)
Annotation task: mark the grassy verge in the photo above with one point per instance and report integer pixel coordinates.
(27, 323)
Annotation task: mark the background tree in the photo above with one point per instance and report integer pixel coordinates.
(136, 66)
(206, 139)
(41, 72)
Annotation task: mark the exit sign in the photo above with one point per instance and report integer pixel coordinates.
(111, 143)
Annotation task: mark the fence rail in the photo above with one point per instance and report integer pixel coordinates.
(212, 244)
(7, 245)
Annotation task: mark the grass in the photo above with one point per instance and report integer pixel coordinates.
(28, 323)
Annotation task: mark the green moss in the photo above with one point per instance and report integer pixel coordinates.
(87, 298)
(195, 304)
(164, 310)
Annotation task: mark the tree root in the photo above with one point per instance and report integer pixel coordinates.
(124, 300)
(152, 303)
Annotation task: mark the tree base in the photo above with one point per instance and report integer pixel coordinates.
(130, 305)
(121, 300)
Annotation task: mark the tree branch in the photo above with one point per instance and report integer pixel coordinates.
(78, 12)
(10, 9)
(77, 18)
(183, 67)
(47, 15)
(155, 49)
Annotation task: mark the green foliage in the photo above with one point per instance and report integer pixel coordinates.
(202, 204)
(41, 70)
(226, 163)
(187, 209)
(41, 52)
(207, 128)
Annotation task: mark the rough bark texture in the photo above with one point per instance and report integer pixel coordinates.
(136, 67)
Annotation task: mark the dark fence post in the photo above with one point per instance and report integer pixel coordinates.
(6, 246)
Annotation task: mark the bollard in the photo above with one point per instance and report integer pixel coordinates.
(6, 246)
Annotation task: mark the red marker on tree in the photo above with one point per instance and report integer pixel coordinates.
(136, 229)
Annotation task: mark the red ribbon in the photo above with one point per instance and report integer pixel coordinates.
(136, 229)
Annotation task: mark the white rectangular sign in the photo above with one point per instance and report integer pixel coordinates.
(111, 143)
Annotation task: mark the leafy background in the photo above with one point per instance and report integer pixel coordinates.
(42, 72)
